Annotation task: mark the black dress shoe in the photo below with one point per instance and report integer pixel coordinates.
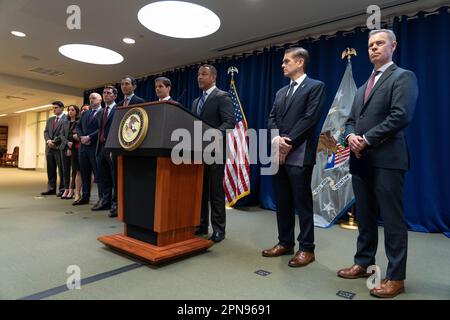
(101, 206)
(113, 209)
(112, 214)
(59, 195)
(217, 237)
(80, 202)
(199, 231)
(48, 192)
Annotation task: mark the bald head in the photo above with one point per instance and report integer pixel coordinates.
(95, 100)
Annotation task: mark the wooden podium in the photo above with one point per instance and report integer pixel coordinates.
(159, 202)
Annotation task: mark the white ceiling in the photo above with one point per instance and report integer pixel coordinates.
(106, 22)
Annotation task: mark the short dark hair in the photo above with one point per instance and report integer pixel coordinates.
(58, 104)
(166, 81)
(133, 80)
(211, 68)
(114, 89)
(299, 53)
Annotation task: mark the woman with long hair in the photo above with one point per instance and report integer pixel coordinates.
(72, 175)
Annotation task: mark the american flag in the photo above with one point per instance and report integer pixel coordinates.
(342, 155)
(339, 158)
(236, 181)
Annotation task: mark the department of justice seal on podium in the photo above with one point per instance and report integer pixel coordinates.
(133, 129)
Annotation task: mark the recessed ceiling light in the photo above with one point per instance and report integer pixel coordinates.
(90, 54)
(18, 34)
(129, 40)
(187, 20)
(3, 115)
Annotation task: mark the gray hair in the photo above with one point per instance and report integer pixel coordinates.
(390, 33)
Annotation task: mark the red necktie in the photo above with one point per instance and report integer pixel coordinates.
(370, 85)
(104, 120)
(55, 123)
(126, 102)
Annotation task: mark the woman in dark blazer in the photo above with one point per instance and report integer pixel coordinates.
(72, 177)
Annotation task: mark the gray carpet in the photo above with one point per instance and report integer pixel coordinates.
(41, 237)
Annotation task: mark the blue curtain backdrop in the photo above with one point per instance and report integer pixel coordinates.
(423, 48)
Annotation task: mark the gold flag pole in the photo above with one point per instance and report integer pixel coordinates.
(351, 223)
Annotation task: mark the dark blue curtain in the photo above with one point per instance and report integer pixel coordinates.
(423, 48)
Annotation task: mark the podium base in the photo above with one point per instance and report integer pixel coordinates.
(153, 254)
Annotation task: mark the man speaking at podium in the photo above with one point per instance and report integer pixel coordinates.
(216, 108)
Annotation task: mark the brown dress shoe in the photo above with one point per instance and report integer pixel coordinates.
(301, 259)
(389, 289)
(354, 272)
(277, 251)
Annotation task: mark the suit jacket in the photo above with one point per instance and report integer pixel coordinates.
(55, 134)
(218, 110)
(298, 121)
(382, 119)
(88, 128)
(134, 100)
(107, 125)
(67, 132)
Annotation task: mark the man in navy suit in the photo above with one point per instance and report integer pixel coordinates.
(87, 131)
(383, 107)
(106, 171)
(296, 113)
(128, 84)
(163, 86)
(215, 107)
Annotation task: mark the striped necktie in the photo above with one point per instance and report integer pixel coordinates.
(201, 103)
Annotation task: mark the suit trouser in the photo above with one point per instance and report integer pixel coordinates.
(88, 165)
(66, 163)
(380, 191)
(107, 175)
(292, 187)
(213, 192)
(54, 166)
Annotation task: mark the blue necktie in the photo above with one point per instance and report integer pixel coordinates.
(289, 96)
(91, 116)
(201, 103)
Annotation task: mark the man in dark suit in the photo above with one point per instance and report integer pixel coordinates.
(106, 170)
(215, 107)
(296, 113)
(163, 86)
(87, 131)
(381, 110)
(128, 84)
(52, 135)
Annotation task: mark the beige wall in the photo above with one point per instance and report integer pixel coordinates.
(13, 124)
(22, 132)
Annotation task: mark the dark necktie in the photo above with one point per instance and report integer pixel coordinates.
(289, 95)
(104, 120)
(201, 103)
(126, 102)
(91, 116)
(370, 85)
(55, 123)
